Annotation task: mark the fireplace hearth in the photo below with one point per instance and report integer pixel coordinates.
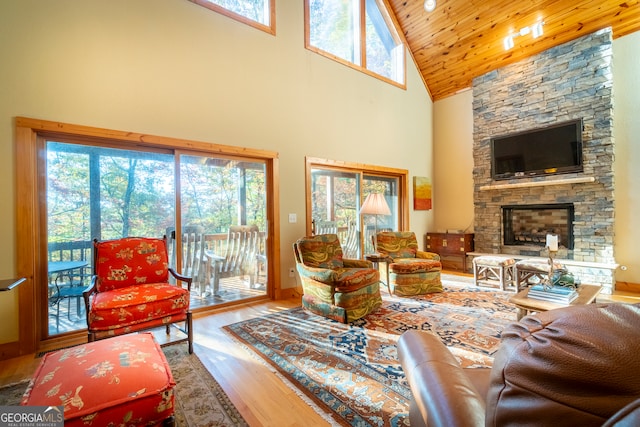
(530, 224)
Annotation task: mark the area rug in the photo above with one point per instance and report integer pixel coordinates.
(199, 399)
(350, 373)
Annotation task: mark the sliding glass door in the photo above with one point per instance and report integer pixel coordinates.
(336, 195)
(224, 227)
(107, 192)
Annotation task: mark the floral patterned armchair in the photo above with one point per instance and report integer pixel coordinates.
(409, 271)
(130, 290)
(335, 287)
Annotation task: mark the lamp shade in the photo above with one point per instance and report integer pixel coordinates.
(375, 204)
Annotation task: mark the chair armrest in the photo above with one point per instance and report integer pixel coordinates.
(322, 275)
(356, 263)
(443, 393)
(86, 295)
(427, 255)
(182, 278)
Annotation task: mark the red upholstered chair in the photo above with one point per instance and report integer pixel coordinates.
(130, 290)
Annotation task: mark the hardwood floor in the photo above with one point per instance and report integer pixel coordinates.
(258, 393)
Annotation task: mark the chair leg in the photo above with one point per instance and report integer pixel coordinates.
(58, 316)
(475, 273)
(216, 284)
(190, 331)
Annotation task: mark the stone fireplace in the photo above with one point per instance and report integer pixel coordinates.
(568, 82)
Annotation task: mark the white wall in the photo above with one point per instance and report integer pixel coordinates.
(626, 133)
(173, 68)
(453, 163)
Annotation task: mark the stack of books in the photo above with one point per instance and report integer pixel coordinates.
(555, 294)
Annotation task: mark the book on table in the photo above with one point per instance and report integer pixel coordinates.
(556, 294)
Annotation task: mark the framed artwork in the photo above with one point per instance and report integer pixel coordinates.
(421, 193)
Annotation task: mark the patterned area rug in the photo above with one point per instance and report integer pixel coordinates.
(350, 373)
(199, 400)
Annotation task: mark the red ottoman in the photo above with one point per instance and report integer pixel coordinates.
(123, 380)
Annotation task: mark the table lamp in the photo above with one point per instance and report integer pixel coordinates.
(375, 204)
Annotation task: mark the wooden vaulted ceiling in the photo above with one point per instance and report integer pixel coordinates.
(463, 39)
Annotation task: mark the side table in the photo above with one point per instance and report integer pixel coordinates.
(376, 259)
(450, 245)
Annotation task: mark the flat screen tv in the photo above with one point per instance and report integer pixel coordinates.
(550, 150)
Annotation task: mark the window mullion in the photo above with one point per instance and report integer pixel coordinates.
(363, 33)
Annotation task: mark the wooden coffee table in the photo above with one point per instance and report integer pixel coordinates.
(586, 295)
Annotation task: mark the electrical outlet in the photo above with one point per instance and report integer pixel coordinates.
(292, 272)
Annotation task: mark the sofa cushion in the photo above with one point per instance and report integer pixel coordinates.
(495, 261)
(553, 366)
(539, 265)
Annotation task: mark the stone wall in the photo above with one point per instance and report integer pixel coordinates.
(570, 81)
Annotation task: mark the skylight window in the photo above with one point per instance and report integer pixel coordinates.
(260, 14)
(358, 33)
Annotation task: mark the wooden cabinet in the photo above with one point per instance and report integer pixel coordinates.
(450, 245)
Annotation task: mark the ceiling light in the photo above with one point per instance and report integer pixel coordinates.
(430, 5)
(508, 42)
(536, 30)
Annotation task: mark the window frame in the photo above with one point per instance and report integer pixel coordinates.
(31, 260)
(392, 25)
(271, 28)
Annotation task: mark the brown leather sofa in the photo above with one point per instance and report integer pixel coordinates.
(574, 366)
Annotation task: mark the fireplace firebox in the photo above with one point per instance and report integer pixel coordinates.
(530, 224)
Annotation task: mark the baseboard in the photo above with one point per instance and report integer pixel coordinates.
(628, 287)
